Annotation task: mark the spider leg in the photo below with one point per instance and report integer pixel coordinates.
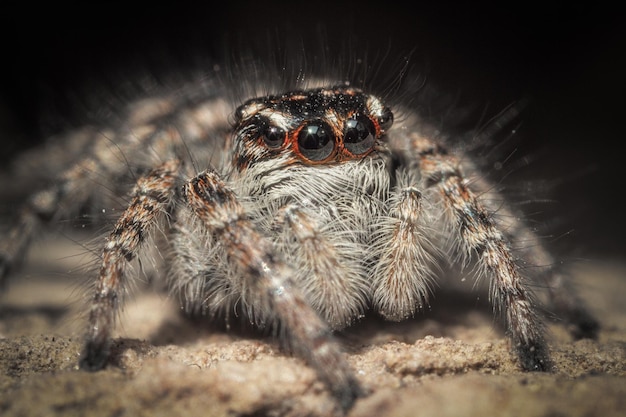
(329, 271)
(403, 275)
(480, 235)
(149, 136)
(151, 196)
(270, 280)
(71, 189)
(562, 296)
(100, 171)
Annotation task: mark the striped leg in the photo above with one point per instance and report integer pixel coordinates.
(67, 194)
(328, 267)
(563, 299)
(269, 280)
(155, 131)
(479, 235)
(151, 196)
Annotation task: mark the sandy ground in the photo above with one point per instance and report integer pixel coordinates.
(451, 360)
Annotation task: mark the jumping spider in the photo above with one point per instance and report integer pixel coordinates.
(304, 211)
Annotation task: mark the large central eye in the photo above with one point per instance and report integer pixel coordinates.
(359, 135)
(315, 141)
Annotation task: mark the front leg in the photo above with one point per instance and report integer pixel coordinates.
(151, 196)
(268, 280)
(403, 275)
(329, 263)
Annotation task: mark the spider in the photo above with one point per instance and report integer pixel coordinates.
(302, 210)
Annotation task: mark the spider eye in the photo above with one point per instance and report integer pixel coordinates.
(359, 135)
(385, 119)
(273, 136)
(315, 141)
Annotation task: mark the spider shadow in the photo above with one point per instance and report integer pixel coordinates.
(451, 312)
(16, 316)
(188, 328)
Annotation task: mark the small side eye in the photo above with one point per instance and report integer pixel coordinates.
(273, 136)
(385, 119)
(315, 141)
(359, 135)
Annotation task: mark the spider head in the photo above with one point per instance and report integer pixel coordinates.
(317, 126)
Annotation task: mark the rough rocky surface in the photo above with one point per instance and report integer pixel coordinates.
(450, 360)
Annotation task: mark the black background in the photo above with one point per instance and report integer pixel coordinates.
(569, 60)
